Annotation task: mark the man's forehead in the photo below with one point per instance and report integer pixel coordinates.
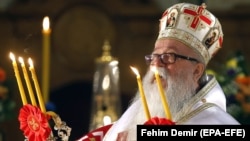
(171, 44)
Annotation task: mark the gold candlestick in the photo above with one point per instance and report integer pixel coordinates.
(27, 80)
(18, 78)
(162, 94)
(46, 58)
(38, 91)
(144, 102)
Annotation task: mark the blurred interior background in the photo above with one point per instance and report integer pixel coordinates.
(79, 29)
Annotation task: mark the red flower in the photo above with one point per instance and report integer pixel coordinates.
(159, 121)
(2, 75)
(34, 123)
(245, 80)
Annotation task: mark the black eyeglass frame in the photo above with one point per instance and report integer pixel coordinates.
(149, 58)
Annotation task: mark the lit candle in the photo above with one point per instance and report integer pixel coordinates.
(162, 94)
(27, 80)
(38, 91)
(46, 58)
(18, 78)
(139, 82)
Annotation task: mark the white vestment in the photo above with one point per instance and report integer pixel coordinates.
(208, 107)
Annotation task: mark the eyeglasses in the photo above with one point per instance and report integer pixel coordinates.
(167, 58)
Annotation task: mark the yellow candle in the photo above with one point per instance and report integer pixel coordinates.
(162, 94)
(27, 80)
(19, 81)
(46, 58)
(38, 91)
(144, 102)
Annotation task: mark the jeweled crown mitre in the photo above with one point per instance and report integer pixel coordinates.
(193, 25)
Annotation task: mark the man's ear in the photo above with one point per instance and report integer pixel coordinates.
(199, 70)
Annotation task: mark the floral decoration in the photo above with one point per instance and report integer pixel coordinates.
(235, 82)
(159, 121)
(7, 104)
(34, 123)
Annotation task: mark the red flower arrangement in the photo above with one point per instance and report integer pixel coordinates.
(243, 94)
(34, 123)
(7, 103)
(2, 75)
(159, 121)
(3, 89)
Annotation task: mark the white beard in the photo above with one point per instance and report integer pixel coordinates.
(177, 92)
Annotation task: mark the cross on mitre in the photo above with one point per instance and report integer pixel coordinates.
(198, 16)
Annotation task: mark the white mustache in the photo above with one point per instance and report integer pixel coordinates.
(162, 73)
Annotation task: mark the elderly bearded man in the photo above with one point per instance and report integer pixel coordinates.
(181, 56)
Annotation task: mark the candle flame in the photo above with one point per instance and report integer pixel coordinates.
(12, 56)
(30, 62)
(135, 71)
(46, 23)
(21, 60)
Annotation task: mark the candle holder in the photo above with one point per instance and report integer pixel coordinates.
(106, 106)
(35, 121)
